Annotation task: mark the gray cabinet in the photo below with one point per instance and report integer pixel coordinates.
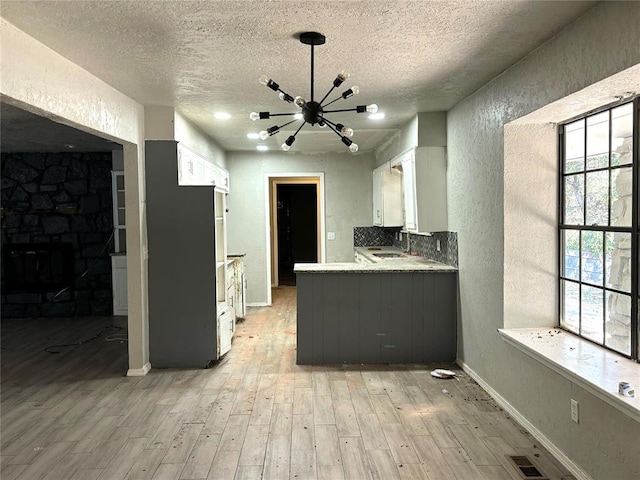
(182, 264)
(376, 317)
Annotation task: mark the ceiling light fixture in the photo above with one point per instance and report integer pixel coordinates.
(313, 112)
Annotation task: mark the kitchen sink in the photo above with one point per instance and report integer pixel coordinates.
(389, 255)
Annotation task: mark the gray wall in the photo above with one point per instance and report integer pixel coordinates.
(348, 196)
(605, 443)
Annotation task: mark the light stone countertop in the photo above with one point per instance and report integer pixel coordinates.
(406, 263)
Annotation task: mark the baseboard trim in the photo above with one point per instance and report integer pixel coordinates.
(569, 464)
(139, 372)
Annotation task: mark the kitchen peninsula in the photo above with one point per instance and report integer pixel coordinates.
(395, 308)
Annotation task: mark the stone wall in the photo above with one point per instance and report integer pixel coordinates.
(60, 198)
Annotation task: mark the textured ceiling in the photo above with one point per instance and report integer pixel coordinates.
(201, 57)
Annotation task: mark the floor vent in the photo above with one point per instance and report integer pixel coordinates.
(526, 469)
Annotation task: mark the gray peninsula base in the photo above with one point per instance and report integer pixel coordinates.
(400, 317)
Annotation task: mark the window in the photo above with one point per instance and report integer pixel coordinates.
(598, 229)
(119, 228)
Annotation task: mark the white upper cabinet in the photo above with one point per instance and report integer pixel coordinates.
(193, 169)
(424, 189)
(387, 196)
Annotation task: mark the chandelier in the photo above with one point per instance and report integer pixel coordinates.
(311, 111)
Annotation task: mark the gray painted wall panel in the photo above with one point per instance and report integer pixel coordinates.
(305, 308)
(370, 315)
(376, 318)
(417, 316)
(349, 327)
(182, 305)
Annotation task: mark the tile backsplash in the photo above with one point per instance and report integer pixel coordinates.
(374, 236)
(423, 245)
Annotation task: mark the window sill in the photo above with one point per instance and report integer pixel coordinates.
(593, 368)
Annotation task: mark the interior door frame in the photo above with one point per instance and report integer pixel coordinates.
(272, 180)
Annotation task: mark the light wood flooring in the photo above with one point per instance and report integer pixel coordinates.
(73, 415)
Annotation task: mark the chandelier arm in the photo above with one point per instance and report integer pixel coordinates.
(342, 110)
(328, 93)
(327, 121)
(288, 123)
(332, 101)
(331, 127)
(282, 114)
(299, 128)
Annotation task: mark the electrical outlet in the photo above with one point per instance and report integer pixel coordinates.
(574, 410)
(331, 235)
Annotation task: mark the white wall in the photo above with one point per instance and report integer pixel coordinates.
(194, 138)
(39, 80)
(348, 197)
(489, 199)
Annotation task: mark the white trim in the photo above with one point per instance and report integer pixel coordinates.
(139, 372)
(267, 203)
(518, 417)
(257, 304)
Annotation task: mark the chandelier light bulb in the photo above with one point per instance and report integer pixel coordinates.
(263, 135)
(298, 116)
(285, 97)
(299, 101)
(373, 108)
(355, 90)
(353, 148)
(288, 142)
(254, 116)
(342, 76)
(264, 80)
(347, 132)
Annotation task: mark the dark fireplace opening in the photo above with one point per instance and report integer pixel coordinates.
(37, 267)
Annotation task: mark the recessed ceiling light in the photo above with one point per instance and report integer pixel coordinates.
(377, 116)
(253, 136)
(222, 115)
(262, 148)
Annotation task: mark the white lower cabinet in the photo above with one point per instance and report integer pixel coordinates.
(119, 284)
(226, 323)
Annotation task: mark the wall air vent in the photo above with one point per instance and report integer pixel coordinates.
(525, 468)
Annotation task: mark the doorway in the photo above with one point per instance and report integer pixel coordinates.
(295, 225)
(297, 228)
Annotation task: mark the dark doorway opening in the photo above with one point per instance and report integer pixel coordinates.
(297, 228)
